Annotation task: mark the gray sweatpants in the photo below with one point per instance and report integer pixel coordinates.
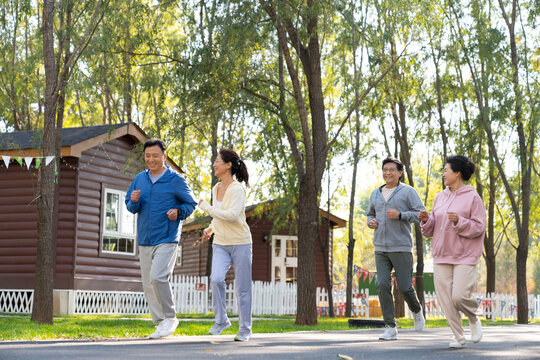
(157, 265)
(402, 262)
(240, 256)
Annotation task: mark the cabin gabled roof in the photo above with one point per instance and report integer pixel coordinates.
(203, 221)
(74, 140)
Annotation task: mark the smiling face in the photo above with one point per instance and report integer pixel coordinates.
(221, 167)
(391, 174)
(450, 177)
(154, 158)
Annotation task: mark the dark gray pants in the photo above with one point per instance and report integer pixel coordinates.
(402, 262)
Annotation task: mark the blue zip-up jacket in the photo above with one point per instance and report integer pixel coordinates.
(169, 192)
(394, 235)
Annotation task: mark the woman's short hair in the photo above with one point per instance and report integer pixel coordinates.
(462, 164)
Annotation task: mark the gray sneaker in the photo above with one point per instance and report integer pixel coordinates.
(390, 333)
(218, 328)
(239, 337)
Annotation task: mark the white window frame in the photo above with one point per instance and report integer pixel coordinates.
(281, 260)
(122, 211)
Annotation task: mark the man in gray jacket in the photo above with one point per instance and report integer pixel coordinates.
(392, 208)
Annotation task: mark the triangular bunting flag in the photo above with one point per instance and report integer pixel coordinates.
(19, 160)
(48, 159)
(28, 161)
(371, 275)
(6, 160)
(38, 162)
(366, 273)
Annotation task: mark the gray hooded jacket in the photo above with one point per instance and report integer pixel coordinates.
(394, 235)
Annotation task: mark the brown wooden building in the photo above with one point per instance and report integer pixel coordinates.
(274, 252)
(95, 240)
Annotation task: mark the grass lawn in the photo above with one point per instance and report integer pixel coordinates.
(85, 327)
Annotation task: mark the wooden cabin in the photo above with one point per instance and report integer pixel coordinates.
(94, 238)
(275, 251)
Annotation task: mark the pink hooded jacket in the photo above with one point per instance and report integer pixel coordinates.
(461, 243)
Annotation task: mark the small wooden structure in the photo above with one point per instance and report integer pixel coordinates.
(275, 253)
(94, 237)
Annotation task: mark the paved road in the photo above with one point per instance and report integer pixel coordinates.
(500, 342)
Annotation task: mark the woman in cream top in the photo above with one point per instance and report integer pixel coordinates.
(232, 241)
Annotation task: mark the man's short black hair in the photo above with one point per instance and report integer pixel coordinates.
(154, 142)
(398, 163)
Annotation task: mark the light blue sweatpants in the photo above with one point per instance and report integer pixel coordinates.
(240, 256)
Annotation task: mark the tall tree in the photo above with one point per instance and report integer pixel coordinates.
(297, 27)
(526, 130)
(55, 83)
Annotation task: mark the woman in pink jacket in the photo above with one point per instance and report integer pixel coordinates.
(457, 224)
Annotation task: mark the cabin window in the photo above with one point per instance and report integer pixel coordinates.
(119, 225)
(285, 259)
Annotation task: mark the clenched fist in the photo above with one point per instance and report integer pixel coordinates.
(135, 195)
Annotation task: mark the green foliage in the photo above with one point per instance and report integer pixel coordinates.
(205, 74)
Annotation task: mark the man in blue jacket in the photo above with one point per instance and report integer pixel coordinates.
(392, 208)
(162, 199)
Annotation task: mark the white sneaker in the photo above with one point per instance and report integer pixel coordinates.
(155, 334)
(458, 344)
(390, 333)
(218, 328)
(168, 326)
(239, 337)
(476, 331)
(419, 321)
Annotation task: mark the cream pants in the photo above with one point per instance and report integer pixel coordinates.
(454, 285)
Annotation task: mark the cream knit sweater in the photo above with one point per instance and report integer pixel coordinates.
(229, 221)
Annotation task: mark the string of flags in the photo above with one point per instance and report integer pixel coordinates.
(27, 160)
(366, 274)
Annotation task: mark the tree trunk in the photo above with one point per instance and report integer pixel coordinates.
(126, 59)
(352, 240)
(399, 303)
(489, 241)
(401, 134)
(308, 230)
(526, 154)
(442, 125)
(42, 311)
(325, 251)
(214, 148)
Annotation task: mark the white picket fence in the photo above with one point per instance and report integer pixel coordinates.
(360, 303)
(192, 295)
(493, 306)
